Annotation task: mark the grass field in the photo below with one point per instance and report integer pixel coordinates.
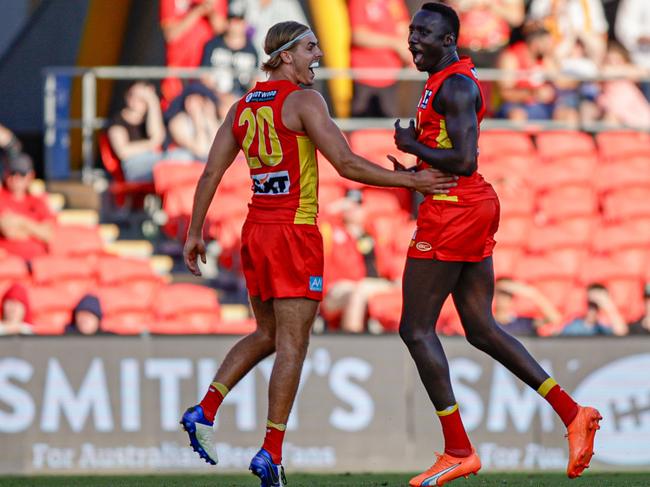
(341, 480)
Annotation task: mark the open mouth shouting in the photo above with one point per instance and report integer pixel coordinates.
(313, 65)
(418, 56)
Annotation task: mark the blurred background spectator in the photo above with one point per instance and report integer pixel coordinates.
(379, 30)
(632, 29)
(642, 325)
(262, 14)
(26, 222)
(234, 59)
(505, 314)
(193, 122)
(529, 96)
(86, 317)
(487, 26)
(16, 316)
(137, 133)
(602, 316)
(187, 25)
(9, 143)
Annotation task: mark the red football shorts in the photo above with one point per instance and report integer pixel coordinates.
(456, 232)
(282, 260)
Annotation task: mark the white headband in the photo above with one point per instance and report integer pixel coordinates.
(287, 45)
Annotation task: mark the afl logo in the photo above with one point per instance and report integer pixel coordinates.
(423, 246)
(621, 392)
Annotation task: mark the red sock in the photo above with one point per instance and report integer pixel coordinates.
(273, 440)
(457, 443)
(213, 399)
(560, 401)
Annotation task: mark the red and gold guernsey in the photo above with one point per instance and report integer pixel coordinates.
(432, 131)
(282, 162)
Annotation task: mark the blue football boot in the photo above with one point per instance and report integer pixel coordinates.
(201, 434)
(269, 473)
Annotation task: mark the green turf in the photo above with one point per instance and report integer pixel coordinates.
(341, 480)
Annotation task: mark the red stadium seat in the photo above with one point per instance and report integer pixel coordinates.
(495, 144)
(618, 145)
(577, 171)
(386, 308)
(13, 269)
(516, 201)
(506, 259)
(189, 303)
(51, 308)
(627, 204)
(76, 240)
(136, 275)
(125, 193)
(513, 231)
(569, 233)
(568, 202)
(625, 174)
(328, 175)
(168, 175)
(238, 327)
(565, 144)
(124, 313)
(74, 275)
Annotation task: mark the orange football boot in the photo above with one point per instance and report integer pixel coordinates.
(446, 469)
(581, 433)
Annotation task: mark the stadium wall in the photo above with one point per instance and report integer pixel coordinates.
(111, 404)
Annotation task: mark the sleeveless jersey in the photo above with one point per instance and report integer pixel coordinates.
(432, 131)
(282, 162)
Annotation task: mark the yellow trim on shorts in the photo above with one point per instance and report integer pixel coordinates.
(448, 411)
(546, 386)
(445, 197)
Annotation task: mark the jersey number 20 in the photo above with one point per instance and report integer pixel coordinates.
(258, 122)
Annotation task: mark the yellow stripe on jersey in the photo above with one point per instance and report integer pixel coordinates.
(308, 206)
(546, 386)
(443, 140)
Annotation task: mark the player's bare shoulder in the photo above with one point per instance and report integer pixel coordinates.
(459, 91)
(301, 105)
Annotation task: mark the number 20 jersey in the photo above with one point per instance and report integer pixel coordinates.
(282, 162)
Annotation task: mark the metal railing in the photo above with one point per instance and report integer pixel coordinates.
(90, 122)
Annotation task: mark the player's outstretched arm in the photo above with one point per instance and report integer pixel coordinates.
(222, 153)
(458, 99)
(327, 137)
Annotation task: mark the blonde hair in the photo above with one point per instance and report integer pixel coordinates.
(277, 36)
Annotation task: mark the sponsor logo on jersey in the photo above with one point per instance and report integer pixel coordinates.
(271, 183)
(261, 96)
(316, 283)
(423, 246)
(424, 101)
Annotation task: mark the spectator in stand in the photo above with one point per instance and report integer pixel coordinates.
(9, 143)
(234, 59)
(486, 27)
(16, 317)
(26, 222)
(193, 122)
(621, 101)
(599, 303)
(350, 276)
(261, 15)
(528, 96)
(633, 31)
(504, 313)
(137, 133)
(379, 28)
(86, 317)
(642, 325)
(187, 25)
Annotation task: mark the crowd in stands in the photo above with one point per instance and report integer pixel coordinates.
(574, 243)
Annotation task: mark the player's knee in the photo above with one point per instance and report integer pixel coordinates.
(266, 339)
(411, 335)
(483, 339)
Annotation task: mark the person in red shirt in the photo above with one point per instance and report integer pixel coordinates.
(187, 25)
(278, 125)
(26, 222)
(378, 31)
(451, 251)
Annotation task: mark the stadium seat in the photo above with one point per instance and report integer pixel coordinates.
(328, 175)
(506, 259)
(376, 202)
(125, 193)
(76, 240)
(187, 303)
(236, 327)
(51, 308)
(386, 308)
(567, 202)
(124, 312)
(74, 275)
(516, 201)
(12, 269)
(577, 171)
(627, 204)
(569, 233)
(494, 144)
(237, 178)
(168, 175)
(622, 175)
(134, 274)
(564, 144)
(622, 145)
(513, 231)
